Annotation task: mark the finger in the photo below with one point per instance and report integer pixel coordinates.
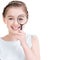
(21, 31)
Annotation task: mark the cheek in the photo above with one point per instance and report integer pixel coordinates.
(9, 24)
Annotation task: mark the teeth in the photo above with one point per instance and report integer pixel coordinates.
(15, 28)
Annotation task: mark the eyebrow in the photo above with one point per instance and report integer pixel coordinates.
(10, 16)
(18, 16)
(21, 15)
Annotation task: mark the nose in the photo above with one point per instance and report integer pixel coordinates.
(15, 22)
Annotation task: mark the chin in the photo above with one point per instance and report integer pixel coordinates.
(13, 32)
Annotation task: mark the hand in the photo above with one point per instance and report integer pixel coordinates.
(20, 35)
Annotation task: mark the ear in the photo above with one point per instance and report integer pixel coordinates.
(4, 20)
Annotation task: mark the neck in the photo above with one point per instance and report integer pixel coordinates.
(9, 37)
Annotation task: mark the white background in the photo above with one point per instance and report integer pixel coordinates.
(44, 21)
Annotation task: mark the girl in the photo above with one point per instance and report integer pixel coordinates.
(17, 45)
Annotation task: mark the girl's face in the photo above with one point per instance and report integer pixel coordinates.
(11, 17)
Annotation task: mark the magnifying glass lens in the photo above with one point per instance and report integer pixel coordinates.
(21, 22)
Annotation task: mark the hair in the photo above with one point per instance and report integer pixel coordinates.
(15, 4)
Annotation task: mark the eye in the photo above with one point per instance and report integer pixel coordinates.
(10, 18)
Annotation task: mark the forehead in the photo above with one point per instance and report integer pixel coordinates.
(15, 11)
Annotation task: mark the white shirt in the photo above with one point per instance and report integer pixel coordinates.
(12, 50)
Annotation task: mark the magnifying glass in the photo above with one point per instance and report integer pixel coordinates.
(21, 21)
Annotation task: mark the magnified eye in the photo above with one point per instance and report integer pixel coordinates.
(20, 19)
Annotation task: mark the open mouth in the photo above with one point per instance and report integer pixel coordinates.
(15, 28)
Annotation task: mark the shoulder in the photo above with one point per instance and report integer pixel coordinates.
(34, 39)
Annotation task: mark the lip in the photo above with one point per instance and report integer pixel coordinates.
(15, 28)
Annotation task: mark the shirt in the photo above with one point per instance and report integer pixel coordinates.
(12, 50)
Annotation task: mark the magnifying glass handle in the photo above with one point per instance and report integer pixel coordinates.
(21, 26)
